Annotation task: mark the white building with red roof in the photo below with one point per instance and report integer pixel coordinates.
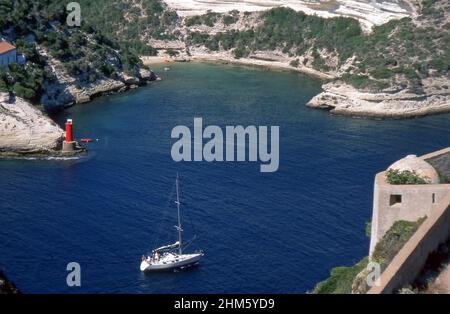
(8, 53)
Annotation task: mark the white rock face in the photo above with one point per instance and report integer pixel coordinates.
(67, 91)
(25, 129)
(346, 100)
(146, 74)
(368, 12)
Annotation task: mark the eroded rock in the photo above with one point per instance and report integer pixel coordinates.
(24, 129)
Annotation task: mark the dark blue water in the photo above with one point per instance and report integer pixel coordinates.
(261, 232)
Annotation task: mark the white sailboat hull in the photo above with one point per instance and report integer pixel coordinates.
(164, 259)
(170, 261)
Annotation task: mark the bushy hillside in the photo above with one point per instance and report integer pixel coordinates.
(400, 53)
(128, 22)
(39, 30)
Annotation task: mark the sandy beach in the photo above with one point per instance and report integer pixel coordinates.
(149, 60)
(270, 65)
(220, 58)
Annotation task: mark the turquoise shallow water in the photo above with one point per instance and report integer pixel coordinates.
(273, 232)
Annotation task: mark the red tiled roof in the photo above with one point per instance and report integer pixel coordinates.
(5, 47)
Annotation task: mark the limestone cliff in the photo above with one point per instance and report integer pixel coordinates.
(67, 89)
(367, 12)
(61, 65)
(26, 130)
(341, 98)
(395, 66)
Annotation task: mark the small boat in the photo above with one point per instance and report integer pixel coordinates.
(86, 140)
(166, 69)
(169, 257)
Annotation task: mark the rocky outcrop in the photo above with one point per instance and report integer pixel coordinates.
(146, 75)
(369, 13)
(66, 90)
(6, 286)
(359, 284)
(62, 94)
(393, 90)
(25, 130)
(344, 99)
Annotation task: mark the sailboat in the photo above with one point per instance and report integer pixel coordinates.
(171, 256)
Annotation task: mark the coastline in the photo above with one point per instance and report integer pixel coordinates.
(338, 99)
(343, 99)
(244, 62)
(44, 154)
(28, 133)
(123, 157)
(7, 286)
(380, 91)
(269, 65)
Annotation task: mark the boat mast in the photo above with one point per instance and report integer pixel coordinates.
(180, 250)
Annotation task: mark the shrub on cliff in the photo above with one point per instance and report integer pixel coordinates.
(350, 279)
(24, 92)
(86, 52)
(404, 177)
(394, 239)
(25, 82)
(208, 19)
(3, 86)
(230, 19)
(386, 249)
(399, 53)
(341, 279)
(294, 63)
(172, 52)
(151, 17)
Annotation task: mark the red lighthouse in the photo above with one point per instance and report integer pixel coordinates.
(69, 145)
(69, 130)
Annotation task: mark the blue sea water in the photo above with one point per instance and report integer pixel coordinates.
(261, 232)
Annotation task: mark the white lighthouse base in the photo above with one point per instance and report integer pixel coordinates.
(68, 146)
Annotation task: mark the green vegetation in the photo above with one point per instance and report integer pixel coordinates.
(211, 18)
(397, 53)
(128, 23)
(229, 19)
(364, 82)
(294, 63)
(172, 52)
(296, 32)
(404, 177)
(342, 279)
(208, 19)
(25, 82)
(394, 239)
(400, 53)
(85, 52)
